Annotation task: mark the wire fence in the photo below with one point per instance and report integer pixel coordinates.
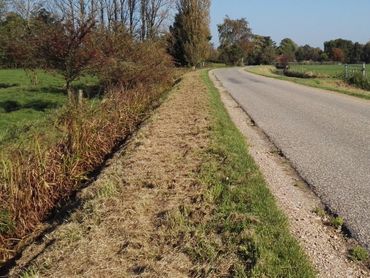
(352, 70)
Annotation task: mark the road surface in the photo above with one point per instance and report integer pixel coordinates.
(325, 135)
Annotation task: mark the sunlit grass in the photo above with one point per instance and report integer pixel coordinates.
(28, 99)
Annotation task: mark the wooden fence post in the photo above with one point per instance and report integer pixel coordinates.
(363, 70)
(80, 96)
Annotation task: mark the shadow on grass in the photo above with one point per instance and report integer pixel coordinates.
(7, 85)
(48, 90)
(38, 105)
(90, 91)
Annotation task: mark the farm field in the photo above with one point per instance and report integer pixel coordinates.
(25, 106)
(328, 80)
(325, 70)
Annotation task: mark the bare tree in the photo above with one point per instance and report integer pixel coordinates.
(132, 5)
(153, 13)
(3, 8)
(25, 8)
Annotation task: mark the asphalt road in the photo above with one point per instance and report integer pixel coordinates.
(325, 135)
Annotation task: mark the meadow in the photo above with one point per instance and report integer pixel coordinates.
(327, 77)
(28, 100)
(326, 70)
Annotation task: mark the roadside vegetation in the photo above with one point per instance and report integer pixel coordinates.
(324, 79)
(254, 232)
(77, 78)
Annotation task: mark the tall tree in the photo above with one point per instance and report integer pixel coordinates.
(153, 14)
(263, 51)
(366, 53)
(356, 53)
(25, 8)
(346, 46)
(190, 33)
(288, 48)
(307, 53)
(338, 54)
(235, 37)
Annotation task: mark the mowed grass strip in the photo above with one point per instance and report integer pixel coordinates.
(253, 231)
(331, 83)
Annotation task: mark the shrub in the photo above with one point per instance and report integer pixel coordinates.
(359, 81)
(337, 222)
(299, 74)
(127, 63)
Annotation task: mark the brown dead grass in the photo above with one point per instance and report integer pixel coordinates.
(122, 228)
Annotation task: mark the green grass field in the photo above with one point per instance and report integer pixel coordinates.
(326, 80)
(326, 70)
(25, 106)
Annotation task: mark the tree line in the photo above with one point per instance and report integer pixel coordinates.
(238, 45)
(77, 36)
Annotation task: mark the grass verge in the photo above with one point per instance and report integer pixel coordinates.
(254, 233)
(330, 84)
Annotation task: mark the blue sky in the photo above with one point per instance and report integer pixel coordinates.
(305, 21)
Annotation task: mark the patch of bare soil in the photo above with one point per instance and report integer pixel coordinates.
(327, 249)
(119, 231)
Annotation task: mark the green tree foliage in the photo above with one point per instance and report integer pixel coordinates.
(356, 54)
(346, 46)
(263, 51)
(13, 32)
(190, 34)
(366, 53)
(308, 53)
(235, 40)
(338, 54)
(288, 48)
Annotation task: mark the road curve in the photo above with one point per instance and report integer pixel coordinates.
(325, 135)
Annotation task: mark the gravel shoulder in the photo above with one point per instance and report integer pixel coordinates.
(327, 248)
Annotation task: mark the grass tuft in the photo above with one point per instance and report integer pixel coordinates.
(359, 254)
(337, 222)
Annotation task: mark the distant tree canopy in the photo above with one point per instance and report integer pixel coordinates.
(238, 45)
(235, 40)
(288, 48)
(353, 53)
(263, 51)
(190, 33)
(308, 53)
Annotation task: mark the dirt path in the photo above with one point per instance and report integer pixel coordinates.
(327, 249)
(119, 231)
